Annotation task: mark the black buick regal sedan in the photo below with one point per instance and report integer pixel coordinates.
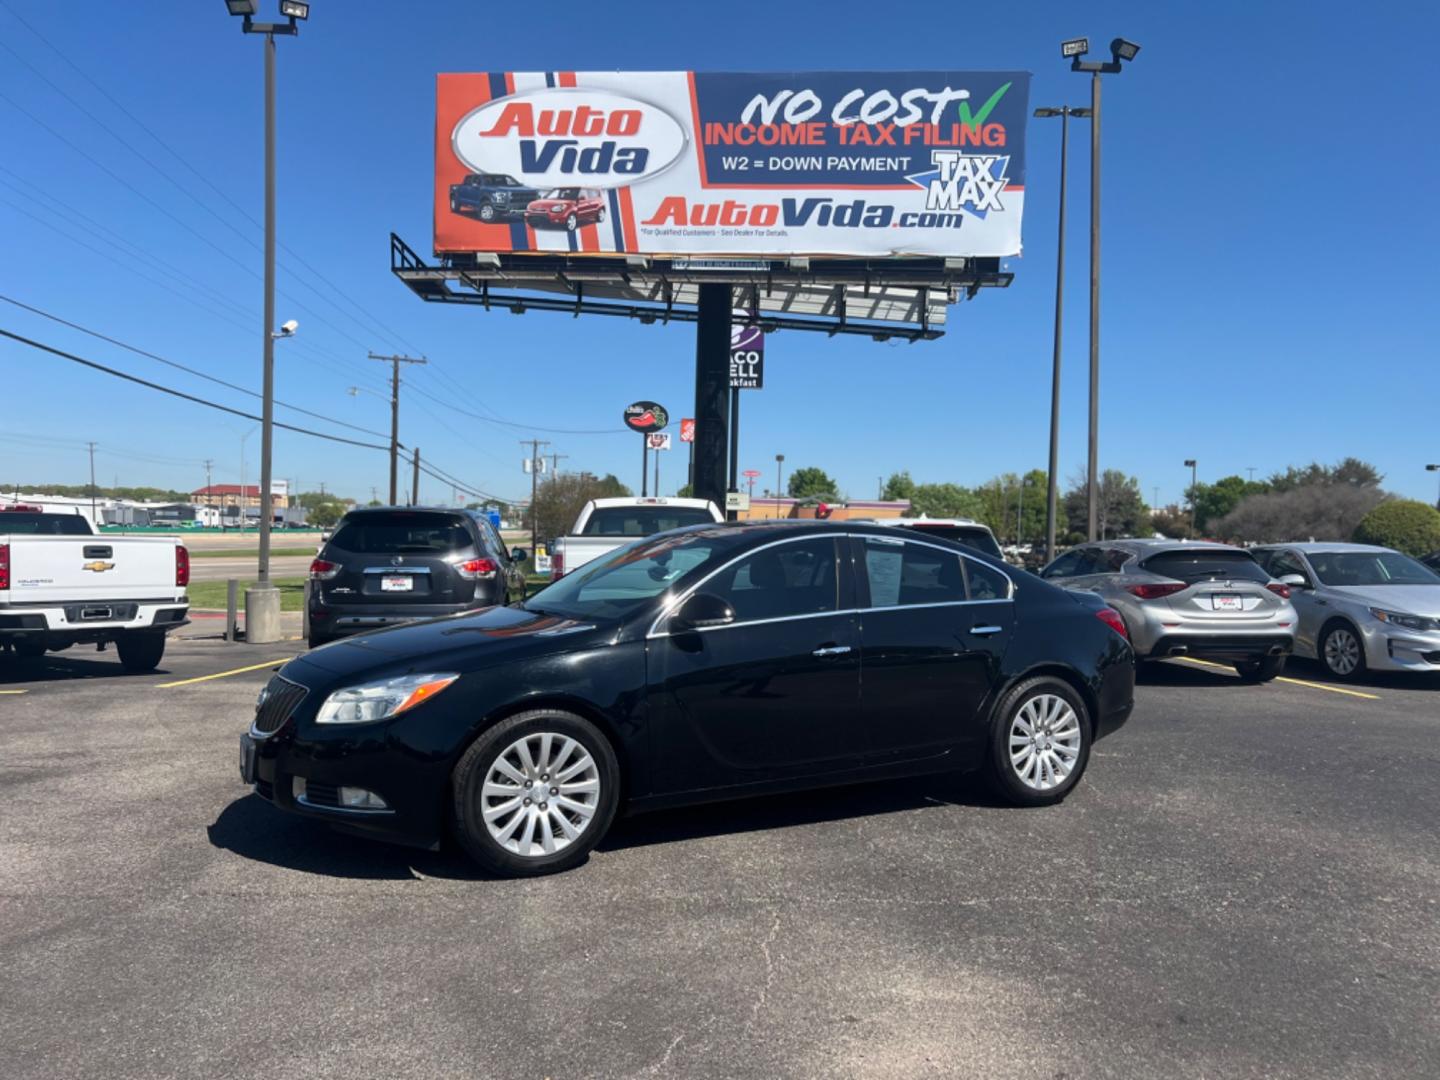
(707, 663)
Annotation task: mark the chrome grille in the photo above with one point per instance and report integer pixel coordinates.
(281, 698)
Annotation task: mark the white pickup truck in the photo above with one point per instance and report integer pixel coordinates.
(62, 585)
(606, 524)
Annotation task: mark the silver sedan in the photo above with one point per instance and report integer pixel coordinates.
(1208, 601)
(1360, 606)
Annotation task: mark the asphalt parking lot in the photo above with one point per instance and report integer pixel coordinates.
(1246, 884)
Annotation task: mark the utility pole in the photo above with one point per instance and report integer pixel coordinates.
(555, 463)
(208, 464)
(415, 481)
(93, 520)
(535, 461)
(395, 362)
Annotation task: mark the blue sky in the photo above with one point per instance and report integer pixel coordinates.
(1270, 274)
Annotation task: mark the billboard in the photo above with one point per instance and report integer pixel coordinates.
(694, 163)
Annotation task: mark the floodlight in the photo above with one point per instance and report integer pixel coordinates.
(241, 7)
(1074, 47)
(1432, 468)
(1123, 50)
(294, 9)
(1047, 112)
(1190, 463)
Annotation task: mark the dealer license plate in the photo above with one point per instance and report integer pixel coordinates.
(397, 584)
(247, 759)
(1227, 602)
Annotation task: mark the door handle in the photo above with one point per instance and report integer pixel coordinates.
(832, 650)
(985, 631)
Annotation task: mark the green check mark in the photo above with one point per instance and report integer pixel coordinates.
(985, 110)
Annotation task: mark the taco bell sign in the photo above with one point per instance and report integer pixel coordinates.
(747, 358)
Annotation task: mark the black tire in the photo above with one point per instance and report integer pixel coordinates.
(571, 222)
(1003, 776)
(140, 650)
(454, 206)
(315, 640)
(1261, 671)
(469, 778)
(487, 212)
(1333, 630)
(29, 650)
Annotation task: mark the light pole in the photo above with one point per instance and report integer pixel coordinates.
(1052, 495)
(1434, 468)
(262, 603)
(1120, 51)
(779, 464)
(1190, 464)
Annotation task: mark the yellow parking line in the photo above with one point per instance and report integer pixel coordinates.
(1293, 682)
(14, 691)
(225, 674)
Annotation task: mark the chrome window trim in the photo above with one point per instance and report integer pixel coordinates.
(670, 608)
(397, 570)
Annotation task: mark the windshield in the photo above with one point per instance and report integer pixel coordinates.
(22, 524)
(1370, 568)
(1206, 566)
(563, 193)
(393, 534)
(619, 583)
(643, 520)
(971, 536)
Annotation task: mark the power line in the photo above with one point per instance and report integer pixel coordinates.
(182, 367)
(180, 393)
(515, 424)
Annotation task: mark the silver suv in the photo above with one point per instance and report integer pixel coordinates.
(1209, 601)
(1360, 606)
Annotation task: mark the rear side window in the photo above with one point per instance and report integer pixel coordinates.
(969, 535)
(643, 520)
(986, 583)
(905, 574)
(23, 524)
(401, 533)
(1206, 566)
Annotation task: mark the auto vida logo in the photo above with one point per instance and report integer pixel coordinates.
(568, 135)
(98, 567)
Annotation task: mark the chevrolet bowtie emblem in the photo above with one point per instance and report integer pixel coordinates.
(98, 567)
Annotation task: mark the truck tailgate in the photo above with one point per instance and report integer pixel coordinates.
(71, 568)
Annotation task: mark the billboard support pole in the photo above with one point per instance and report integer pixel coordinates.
(712, 378)
(644, 467)
(734, 484)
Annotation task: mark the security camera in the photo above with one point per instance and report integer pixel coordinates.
(289, 326)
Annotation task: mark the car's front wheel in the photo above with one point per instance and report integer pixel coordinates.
(1041, 742)
(487, 212)
(535, 793)
(1261, 671)
(571, 222)
(1342, 652)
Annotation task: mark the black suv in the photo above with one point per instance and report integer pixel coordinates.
(491, 196)
(386, 565)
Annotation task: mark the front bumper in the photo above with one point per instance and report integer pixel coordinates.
(1393, 648)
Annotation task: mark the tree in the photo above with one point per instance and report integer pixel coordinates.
(1402, 524)
(811, 483)
(325, 514)
(899, 487)
(1172, 521)
(560, 498)
(610, 487)
(1214, 501)
(1350, 471)
(943, 500)
(1122, 510)
(1314, 511)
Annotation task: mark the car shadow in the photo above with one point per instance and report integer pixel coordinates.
(54, 667)
(1313, 670)
(1180, 673)
(253, 829)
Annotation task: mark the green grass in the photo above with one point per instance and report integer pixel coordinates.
(243, 553)
(211, 594)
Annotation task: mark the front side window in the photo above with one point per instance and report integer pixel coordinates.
(781, 582)
(1281, 563)
(1066, 565)
(904, 574)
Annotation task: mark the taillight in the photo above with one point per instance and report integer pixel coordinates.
(1280, 589)
(4, 566)
(1111, 618)
(557, 566)
(476, 568)
(1155, 592)
(182, 566)
(323, 570)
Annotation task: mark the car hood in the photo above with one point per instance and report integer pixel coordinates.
(462, 642)
(1410, 599)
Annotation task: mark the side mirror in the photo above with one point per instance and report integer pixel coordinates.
(1295, 581)
(519, 555)
(701, 611)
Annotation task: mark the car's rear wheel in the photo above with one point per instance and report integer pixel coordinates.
(140, 650)
(1342, 652)
(487, 212)
(535, 793)
(1040, 743)
(1260, 671)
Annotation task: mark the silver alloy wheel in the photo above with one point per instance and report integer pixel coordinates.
(540, 794)
(1342, 651)
(1044, 741)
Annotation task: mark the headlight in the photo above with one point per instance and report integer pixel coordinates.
(373, 701)
(1410, 622)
